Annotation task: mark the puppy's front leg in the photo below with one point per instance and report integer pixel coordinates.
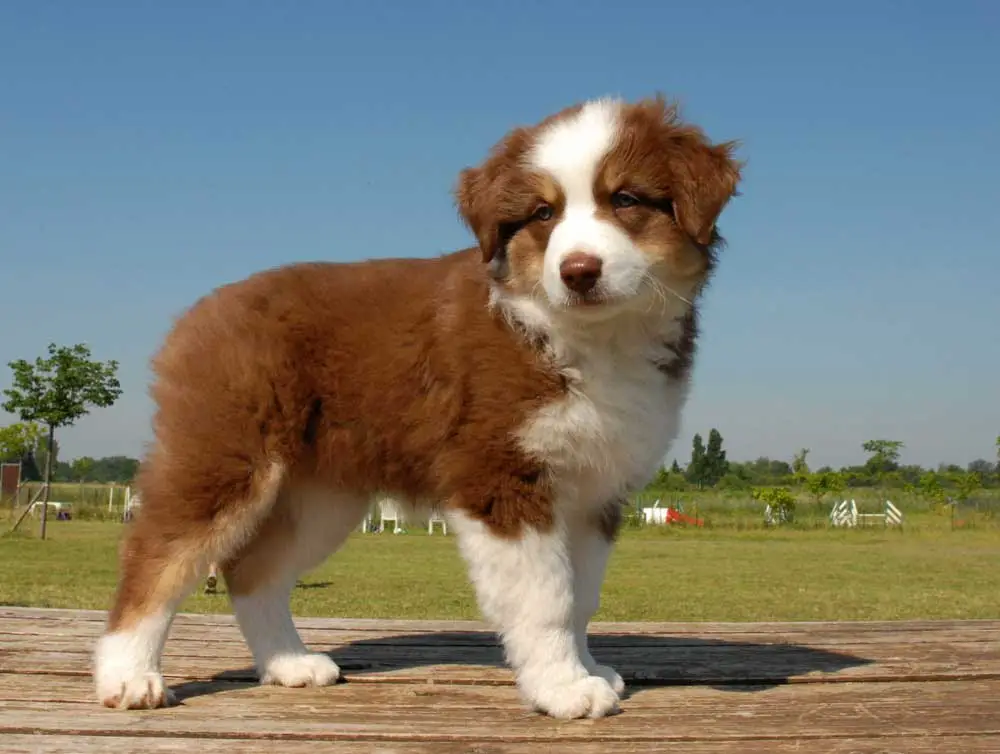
(590, 542)
(524, 585)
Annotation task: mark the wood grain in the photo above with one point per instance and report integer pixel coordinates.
(63, 744)
(422, 686)
(823, 712)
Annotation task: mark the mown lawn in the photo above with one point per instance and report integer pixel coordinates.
(687, 575)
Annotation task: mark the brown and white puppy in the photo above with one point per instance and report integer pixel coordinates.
(530, 384)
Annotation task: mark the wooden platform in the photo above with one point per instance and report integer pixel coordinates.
(928, 687)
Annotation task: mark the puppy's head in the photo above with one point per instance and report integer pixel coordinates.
(602, 208)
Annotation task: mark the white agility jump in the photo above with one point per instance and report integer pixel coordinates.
(845, 513)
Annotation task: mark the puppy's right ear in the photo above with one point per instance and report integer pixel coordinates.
(476, 200)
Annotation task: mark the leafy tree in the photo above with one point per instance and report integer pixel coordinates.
(57, 391)
(675, 468)
(781, 500)
(821, 483)
(101, 470)
(62, 471)
(884, 455)
(82, 469)
(716, 465)
(799, 466)
(857, 476)
(772, 469)
(735, 480)
(929, 487)
(967, 483)
(696, 468)
(910, 474)
(891, 479)
(980, 466)
(18, 440)
(115, 469)
(835, 482)
(661, 479)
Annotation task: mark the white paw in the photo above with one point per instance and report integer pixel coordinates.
(126, 671)
(138, 691)
(589, 696)
(609, 674)
(311, 669)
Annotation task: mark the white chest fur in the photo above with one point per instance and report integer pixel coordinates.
(611, 432)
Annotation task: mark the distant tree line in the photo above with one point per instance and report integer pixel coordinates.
(27, 443)
(84, 469)
(708, 467)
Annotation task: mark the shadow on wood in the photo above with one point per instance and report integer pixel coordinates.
(643, 660)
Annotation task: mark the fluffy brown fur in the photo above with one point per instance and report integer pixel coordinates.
(377, 376)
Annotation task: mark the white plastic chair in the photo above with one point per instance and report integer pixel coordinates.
(435, 517)
(390, 510)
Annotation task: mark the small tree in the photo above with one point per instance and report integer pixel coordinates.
(967, 483)
(675, 468)
(82, 468)
(799, 465)
(820, 483)
(835, 482)
(980, 466)
(716, 465)
(661, 479)
(930, 489)
(57, 391)
(18, 440)
(883, 455)
(696, 468)
(779, 500)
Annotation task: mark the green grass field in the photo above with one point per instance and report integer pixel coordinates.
(926, 571)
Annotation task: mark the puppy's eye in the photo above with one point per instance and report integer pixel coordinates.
(543, 212)
(623, 200)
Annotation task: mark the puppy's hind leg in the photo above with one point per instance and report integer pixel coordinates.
(304, 528)
(168, 547)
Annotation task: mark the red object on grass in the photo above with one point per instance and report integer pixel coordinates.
(674, 516)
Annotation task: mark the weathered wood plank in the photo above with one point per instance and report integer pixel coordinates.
(822, 635)
(400, 696)
(806, 628)
(74, 744)
(440, 686)
(712, 662)
(483, 648)
(816, 713)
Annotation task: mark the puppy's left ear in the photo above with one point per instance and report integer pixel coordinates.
(707, 177)
(475, 197)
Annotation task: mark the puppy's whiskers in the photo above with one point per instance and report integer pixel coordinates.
(662, 289)
(537, 290)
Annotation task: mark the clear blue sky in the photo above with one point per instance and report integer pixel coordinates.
(150, 151)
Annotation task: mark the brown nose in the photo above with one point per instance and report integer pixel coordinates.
(580, 271)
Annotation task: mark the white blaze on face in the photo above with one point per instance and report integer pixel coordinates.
(571, 151)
